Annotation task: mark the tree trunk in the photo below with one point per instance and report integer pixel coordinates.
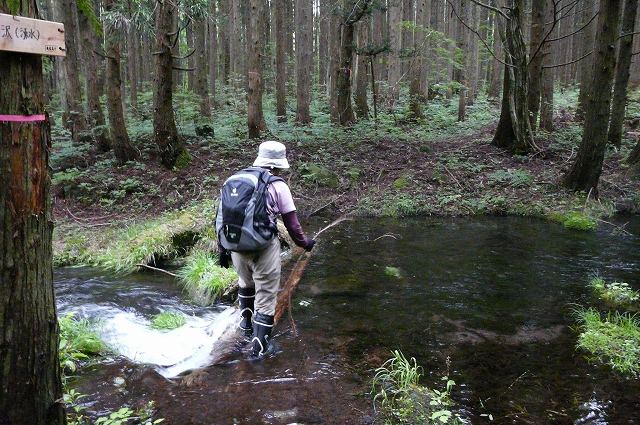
(407, 33)
(122, 148)
(360, 94)
(395, 44)
(619, 102)
(281, 62)
(225, 30)
(255, 117)
(30, 380)
(304, 49)
(213, 48)
(463, 10)
(497, 69)
(94, 89)
(514, 128)
(201, 64)
(76, 120)
(334, 64)
(585, 172)
(586, 65)
(634, 155)
(235, 37)
(423, 46)
(164, 123)
(472, 61)
(323, 42)
(191, 75)
(546, 100)
(536, 58)
(132, 68)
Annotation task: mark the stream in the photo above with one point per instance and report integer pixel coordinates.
(486, 301)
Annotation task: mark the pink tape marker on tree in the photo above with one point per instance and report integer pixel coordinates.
(22, 118)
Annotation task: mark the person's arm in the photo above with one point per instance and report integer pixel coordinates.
(294, 229)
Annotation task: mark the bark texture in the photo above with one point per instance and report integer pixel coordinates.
(586, 170)
(536, 59)
(30, 381)
(395, 44)
(362, 76)
(201, 63)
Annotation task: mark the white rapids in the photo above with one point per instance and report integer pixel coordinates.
(191, 346)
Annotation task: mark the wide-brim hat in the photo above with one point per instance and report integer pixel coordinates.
(271, 154)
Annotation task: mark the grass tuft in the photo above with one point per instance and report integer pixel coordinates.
(613, 340)
(168, 320)
(203, 279)
(392, 272)
(78, 342)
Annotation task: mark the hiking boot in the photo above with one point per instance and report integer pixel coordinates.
(262, 326)
(246, 296)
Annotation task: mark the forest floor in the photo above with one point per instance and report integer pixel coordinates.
(388, 167)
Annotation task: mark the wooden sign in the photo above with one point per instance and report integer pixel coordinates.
(26, 35)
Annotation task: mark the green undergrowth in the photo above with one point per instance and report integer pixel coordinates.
(78, 342)
(615, 294)
(126, 247)
(392, 272)
(399, 398)
(612, 340)
(203, 279)
(168, 320)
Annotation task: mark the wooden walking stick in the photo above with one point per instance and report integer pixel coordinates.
(284, 297)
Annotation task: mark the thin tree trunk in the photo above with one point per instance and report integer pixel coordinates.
(30, 380)
(619, 102)
(538, 13)
(132, 65)
(546, 100)
(360, 94)
(170, 146)
(587, 64)
(122, 148)
(395, 44)
(323, 42)
(281, 61)
(235, 37)
(212, 48)
(462, 72)
(191, 75)
(255, 117)
(304, 48)
(225, 30)
(585, 172)
(94, 88)
(76, 120)
(472, 49)
(423, 46)
(201, 64)
(497, 69)
(407, 33)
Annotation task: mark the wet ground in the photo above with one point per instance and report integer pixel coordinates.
(494, 295)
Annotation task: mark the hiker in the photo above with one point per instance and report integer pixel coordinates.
(250, 202)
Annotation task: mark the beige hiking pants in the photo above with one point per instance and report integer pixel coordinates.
(260, 269)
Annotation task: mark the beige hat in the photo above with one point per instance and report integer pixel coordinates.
(271, 154)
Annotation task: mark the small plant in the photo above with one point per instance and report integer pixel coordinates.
(168, 320)
(575, 220)
(204, 279)
(392, 272)
(613, 340)
(126, 415)
(515, 178)
(616, 294)
(78, 342)
(402, 400)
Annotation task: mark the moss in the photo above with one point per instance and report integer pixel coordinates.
(401, 183)
(203, 279)
(183, 160)
(574, 220)
(392, 272)
(320, 175)
(168, 320)
(613, 340)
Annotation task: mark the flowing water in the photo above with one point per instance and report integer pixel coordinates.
(494, 296)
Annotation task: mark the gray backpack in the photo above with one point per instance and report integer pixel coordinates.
(243, 222)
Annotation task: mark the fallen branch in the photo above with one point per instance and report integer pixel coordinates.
(157, 269)
(284, 297)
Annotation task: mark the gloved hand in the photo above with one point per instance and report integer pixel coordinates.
(309, 244)
(224, 259)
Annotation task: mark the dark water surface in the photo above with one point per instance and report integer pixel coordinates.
(493, 295)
